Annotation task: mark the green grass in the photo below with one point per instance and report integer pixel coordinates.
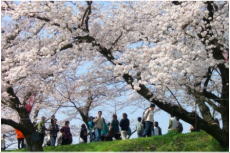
(196, 141)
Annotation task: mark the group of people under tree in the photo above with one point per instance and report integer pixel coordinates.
(98, 130)
(64, 139)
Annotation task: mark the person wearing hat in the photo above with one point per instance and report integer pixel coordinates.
(148, 120)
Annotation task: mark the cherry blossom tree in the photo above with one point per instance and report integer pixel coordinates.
(84, 92)
(174, 54)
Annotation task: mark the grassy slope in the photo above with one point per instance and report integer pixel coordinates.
(197, 141)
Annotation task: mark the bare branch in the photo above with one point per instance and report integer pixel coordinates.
(85, 18)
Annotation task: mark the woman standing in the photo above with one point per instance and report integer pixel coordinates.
(115, 131)
(124, 124)
(66, 134)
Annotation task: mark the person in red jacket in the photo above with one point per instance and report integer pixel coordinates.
(20, 137)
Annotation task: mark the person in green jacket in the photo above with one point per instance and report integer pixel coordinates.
(105, 130)
(90, 125)
(41, 128)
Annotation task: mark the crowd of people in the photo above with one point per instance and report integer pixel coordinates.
(96, 129)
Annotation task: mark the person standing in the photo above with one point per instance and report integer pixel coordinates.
(114, 129)
(20, 137)
(66, 134)
(173, 124)
(59, 138)
(91, 129)
(139, 128)
(148, 120)
(180, 126)
(41, 128)
(84, 133)
(52, 119)
(99, 124)
(124, 124)
(105, 131)
(3, 142)
(53, 132)
(157, 129)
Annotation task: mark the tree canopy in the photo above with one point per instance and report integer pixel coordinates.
(173, 54)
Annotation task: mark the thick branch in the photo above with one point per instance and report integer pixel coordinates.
(209, 74)
(12, 124)
(14, 100)
(176, 2)
(210, 95)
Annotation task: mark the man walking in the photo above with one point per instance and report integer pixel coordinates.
(148, 120)
(99, 123)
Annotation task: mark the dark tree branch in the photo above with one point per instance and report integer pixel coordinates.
(204, 109)
(116, 41)
(174, 97)
(8, 7)
(209, 74)
(210, 95)
(85, 18)
(14, 100)
(12, 123)
(177, 2)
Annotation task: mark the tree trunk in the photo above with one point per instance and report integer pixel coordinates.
(214, 130)
(225, 119)
(34, 142)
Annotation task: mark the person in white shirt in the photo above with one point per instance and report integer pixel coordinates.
(139, 127)
(99, 122)
(148, 120)
(173, 123)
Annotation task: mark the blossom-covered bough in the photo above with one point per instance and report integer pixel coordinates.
(85, 92)
(174, 54)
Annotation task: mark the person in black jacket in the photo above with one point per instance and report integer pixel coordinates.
(124, 124)
(83, 133)
(115, 128)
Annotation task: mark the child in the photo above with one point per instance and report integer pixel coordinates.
(139, 127)
(84, 133)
